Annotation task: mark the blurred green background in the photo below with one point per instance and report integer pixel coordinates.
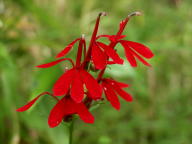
(33, 31)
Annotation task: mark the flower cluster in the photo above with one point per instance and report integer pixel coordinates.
(76, 89)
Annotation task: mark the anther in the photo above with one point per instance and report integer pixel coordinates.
(102, 14)
(137, 13)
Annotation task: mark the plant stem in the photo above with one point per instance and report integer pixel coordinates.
(71, 126)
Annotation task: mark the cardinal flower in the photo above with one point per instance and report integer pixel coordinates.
(100, 54)
(74, 80)
(77, 88)
(113, 88)
(132, 49)
(64, 107)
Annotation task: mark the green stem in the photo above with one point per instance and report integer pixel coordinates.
(71, 126)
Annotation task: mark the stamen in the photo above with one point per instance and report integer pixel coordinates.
(93, 38)
(79, 52)
(84, 45)
(83, 36)
(137, 13)
(125, 21)
(102, 14)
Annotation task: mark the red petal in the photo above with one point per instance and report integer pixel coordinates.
(111, 53)
(84, 114)
(57, 114)
(94, 34)
(101, 36)
(93, 87)
(53, 63)
(67, 49)
(99, 57)
(140, 58)
(121, 24)
(110, 62)
(63, 83)
(111, 96)
(122, 85)
(63, 108)
(129, 55)
(121, 37)
(140, 48)
(122, 93)
(77, 91)
(30, 103)
(113, 38)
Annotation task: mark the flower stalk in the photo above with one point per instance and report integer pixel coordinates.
(71, 128)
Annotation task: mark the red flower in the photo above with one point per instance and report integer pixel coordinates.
(136, 50)
(62, 109)
(112, 88)
(132, 49)
(73, 80)
(66, 107)
(76, 78)
(100, 54)
(78, 87)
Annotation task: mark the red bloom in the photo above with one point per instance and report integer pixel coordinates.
(136, 50)
(76, 78)
(73, 80)
(78, 87)
(112, 88)
(66, 107)
(132, 49)
(100, 54)
(62, 109)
